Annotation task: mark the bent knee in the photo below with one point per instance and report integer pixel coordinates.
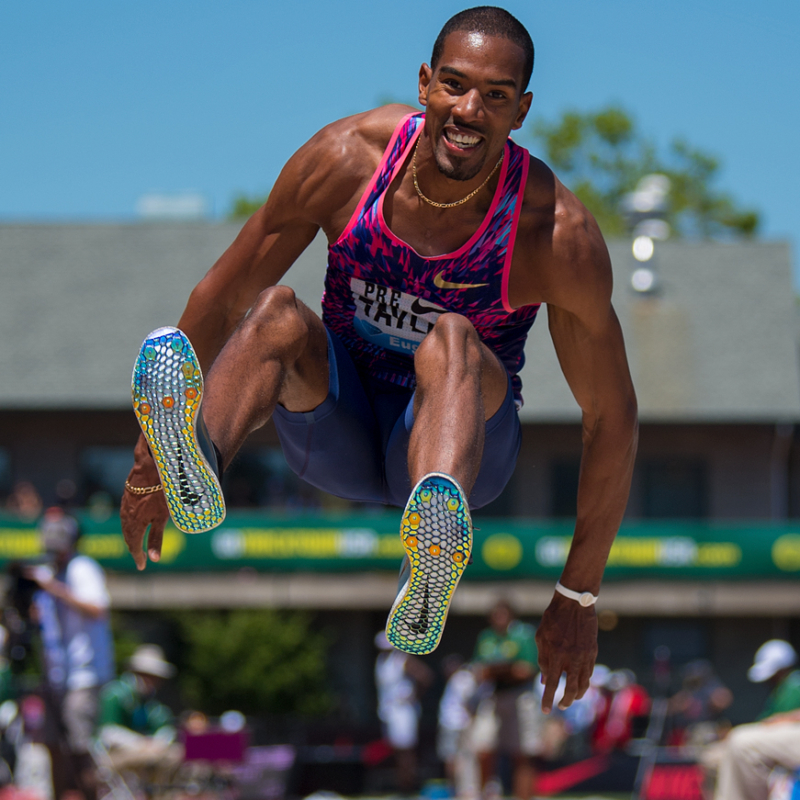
(277, 318)
(274, 300)
(452, 342)
(741, 739)
(451, 334)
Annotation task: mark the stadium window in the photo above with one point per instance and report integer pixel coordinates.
(564, 487)
(687, 640)
(103, 472)
(674, 488)
(5, 472)
(260, 477)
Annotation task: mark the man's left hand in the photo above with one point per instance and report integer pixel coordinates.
(567, 642)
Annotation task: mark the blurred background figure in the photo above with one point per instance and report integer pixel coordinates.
(24, 502)
(697, 708)
(455, 717)
(581, 718)
(73, 612)
(506, 656)
(744, 760)
(136, 729)
(401, 679)
(628, 708)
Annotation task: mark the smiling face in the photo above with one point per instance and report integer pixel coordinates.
(473, 99)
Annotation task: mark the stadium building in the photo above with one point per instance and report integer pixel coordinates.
(708, 560)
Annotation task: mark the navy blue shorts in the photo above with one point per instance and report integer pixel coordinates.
(355, 443)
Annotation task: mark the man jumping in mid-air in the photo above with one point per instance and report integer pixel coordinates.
(444, 238)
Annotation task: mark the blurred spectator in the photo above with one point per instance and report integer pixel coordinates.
(72, 608)
(507, 657)
(136, 729)
(697, 707)
(455, 716)
(401, 679)
(582, 717)
(602, 704)
(6, 677)
(24, 501)
(747, 756)
(629, 702)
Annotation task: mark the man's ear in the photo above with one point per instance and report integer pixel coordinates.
(425, 75)
(524, 107)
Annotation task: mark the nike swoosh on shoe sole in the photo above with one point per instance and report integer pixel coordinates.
(437, 536)
(167, 389)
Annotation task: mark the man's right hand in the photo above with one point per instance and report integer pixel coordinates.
(137, 512)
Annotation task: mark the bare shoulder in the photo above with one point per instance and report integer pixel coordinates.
(334, 164)
(348, 137)
(568, 256)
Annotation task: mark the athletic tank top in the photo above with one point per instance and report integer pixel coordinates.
(382, 298)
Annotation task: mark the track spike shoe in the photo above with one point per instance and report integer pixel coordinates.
(167, 389)
(437, 536)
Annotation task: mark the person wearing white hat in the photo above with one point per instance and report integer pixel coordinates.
(750, 752)
(134, 727)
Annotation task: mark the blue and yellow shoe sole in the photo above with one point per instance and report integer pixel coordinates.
(167, 389)
(437, 536)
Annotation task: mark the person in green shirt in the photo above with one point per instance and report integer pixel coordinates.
(506, 658)
(750, 752)
(137, 731)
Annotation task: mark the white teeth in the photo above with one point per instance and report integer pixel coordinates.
(463, 139)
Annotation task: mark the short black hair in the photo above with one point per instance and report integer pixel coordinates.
(490, 21)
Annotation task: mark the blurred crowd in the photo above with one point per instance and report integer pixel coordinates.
(82, 724)
(493, 737)
(69, 727)
(492, 734)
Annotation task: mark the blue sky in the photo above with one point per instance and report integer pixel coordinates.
(103, 102)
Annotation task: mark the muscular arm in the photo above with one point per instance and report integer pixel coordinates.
(317, 189)
(592, 357)
(590, 348)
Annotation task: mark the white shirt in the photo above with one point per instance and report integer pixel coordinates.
(78, 649)
(453, 707)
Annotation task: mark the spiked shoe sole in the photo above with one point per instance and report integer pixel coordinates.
(437, 536)
(167, 389)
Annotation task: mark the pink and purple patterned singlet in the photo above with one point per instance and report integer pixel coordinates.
(382, 298)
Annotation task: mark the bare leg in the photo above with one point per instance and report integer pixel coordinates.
(523, 777)
(487, 763)
(279, 354)
(460, 384)
(406, 769)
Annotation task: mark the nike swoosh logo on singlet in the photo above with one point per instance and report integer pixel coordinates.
(441, 283)
(418, 308)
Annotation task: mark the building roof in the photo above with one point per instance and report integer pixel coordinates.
(716, 343)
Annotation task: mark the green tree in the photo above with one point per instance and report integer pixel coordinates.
(255, 661)
(244, 206)
(601, 156)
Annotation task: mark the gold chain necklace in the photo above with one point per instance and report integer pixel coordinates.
(457, 202)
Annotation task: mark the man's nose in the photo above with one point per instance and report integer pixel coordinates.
(469, 106)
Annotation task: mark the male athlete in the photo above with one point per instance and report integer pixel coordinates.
(444, 239)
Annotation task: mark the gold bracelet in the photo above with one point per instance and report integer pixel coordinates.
(143, 489)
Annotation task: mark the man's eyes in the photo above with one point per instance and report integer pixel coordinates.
(452, 83)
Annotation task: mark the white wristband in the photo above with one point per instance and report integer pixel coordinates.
(586, 599)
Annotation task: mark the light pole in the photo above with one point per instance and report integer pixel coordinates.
(644, 209)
